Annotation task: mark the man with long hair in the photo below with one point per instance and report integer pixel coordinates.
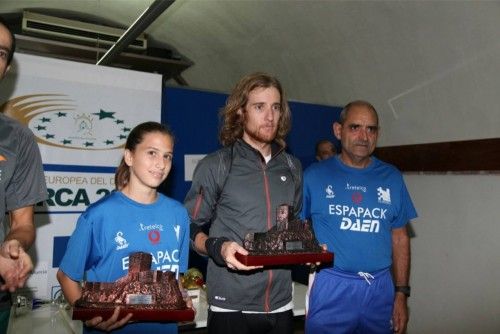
(237, 190)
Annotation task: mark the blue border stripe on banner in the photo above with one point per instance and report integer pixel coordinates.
(73, 168)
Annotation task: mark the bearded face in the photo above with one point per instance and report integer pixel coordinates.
(261, 116)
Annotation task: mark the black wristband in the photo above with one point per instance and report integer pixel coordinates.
(403, 289)
(214, 246)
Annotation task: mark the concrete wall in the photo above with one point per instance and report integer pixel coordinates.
(455, 254)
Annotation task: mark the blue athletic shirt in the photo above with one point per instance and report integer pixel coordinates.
(354, 210)
(115, 226)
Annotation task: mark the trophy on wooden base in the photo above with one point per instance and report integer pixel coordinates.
(288, 242)
(149, 295)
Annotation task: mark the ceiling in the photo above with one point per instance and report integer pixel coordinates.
(417, 61)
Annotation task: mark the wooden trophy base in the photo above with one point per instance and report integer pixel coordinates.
(85, 313)
(283, 259)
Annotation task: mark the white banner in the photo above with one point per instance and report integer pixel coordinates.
(81, 115)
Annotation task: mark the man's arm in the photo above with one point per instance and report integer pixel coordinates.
(22, 227)
(17, 264)
(401, 271)
(199, 243)
(222, 251)
(296, 170)
(201, 202)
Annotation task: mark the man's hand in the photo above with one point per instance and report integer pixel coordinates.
(228, 251)
(317, 264)
(15, 265)
(400, 314)
(189, 302)
(186, 297)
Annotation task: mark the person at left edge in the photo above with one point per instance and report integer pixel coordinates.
(22, 184)
(133, 218)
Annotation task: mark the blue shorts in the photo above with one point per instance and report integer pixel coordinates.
(342, 302)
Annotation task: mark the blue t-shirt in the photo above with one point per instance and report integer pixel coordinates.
(115, 226)
(354, 210)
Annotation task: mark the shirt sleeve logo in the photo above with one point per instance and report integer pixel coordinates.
(384, 195)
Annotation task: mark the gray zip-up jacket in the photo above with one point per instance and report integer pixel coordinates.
(238, 193)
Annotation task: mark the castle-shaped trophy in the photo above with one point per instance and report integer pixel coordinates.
(290, 241)
(149, 295)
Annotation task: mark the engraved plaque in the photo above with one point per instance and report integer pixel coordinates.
(294, 245)
(136, 299)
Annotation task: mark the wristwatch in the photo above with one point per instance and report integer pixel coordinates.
(405, 289)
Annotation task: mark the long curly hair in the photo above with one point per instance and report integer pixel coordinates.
(233, 123)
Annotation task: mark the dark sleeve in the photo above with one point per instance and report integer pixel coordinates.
(184, 243)
(298, 179)
(306, 197)
(27, 186)
(201, 199)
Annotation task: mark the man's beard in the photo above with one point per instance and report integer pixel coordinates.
(257, 136)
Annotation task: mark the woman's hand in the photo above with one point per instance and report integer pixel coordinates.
(110, 324)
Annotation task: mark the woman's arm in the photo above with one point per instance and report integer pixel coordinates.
(72, 290)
